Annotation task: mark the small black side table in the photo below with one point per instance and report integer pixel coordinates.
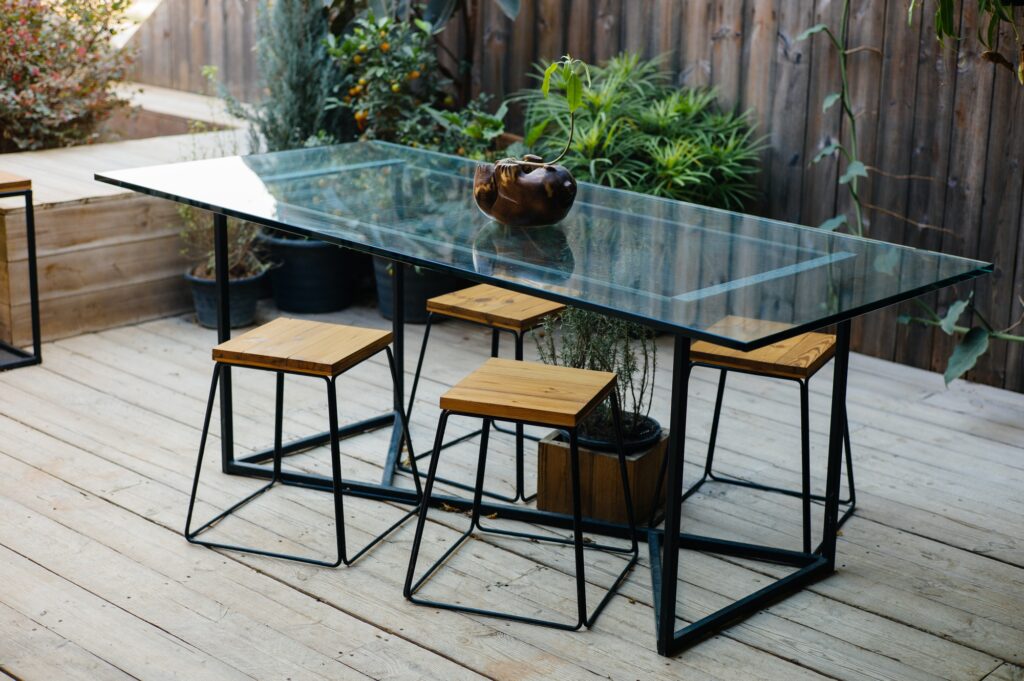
(10, 356)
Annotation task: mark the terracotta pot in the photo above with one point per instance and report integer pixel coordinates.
(524, 195)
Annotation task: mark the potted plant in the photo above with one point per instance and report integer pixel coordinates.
(247, 267)
(309, 275)
(589, 340)
(528, 191)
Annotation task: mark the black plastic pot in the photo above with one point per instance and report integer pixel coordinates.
(648, 436)
(419, 287)
(310, 275)
(243, 294)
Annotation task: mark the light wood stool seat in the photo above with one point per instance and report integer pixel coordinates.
(302, 346)
(305, 348)
(501, 311)
(529, 392)
(10, 182)
(794, 359)
(494, 306)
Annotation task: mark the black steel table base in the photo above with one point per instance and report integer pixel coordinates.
(664, 544)
(12, 357)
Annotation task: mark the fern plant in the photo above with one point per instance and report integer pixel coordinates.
(635, 130)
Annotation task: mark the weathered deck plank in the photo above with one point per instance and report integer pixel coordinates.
(98, 446)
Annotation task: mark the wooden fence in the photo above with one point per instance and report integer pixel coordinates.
(946, 129)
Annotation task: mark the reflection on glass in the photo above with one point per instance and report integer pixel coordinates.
(539, 255)
(672, 264)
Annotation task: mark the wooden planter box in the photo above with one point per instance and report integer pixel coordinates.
(600, 483)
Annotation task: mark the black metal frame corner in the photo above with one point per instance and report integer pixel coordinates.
(21, 358)
(338, 486)
(411, 588)
(518, 432)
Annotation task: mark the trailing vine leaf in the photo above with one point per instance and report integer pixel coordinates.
(854, 169)
(886, 262)
(830, 100)
(953, 314)
(966, 354)
(832, 224)
(828, 150)
(509, 7)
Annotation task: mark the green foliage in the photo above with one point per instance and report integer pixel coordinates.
(634, 130)
(390, 70)
(56, 68)
(393, 90)
(588, 340)
(993, 14)
(470, 131)
(298, 78)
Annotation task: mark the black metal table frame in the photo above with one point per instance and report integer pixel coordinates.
(664, 545)
(21, 358)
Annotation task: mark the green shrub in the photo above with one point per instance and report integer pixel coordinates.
(393, 91)
(57, 64)
(298, 78)
(636, 131)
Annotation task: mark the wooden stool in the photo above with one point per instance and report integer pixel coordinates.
(538, 394)
(795, 359)
(500, 310)
(305, 348)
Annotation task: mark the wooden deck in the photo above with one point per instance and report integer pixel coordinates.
(96, 582)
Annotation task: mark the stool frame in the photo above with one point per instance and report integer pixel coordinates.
(518, 432)
(804, 493)
(16, 356)
(577, 542)
(339, 488)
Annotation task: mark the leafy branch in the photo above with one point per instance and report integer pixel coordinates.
(996, 13)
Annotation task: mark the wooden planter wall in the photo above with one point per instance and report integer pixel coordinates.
(101, 263)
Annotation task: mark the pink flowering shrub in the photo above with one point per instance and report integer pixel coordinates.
(56, 67)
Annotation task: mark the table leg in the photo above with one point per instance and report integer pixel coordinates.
(666, 595)
(835, 444)
(398, 339)
(220, 258)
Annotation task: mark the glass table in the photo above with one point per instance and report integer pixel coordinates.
(678, 268)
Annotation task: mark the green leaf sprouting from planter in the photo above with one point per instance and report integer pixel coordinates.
(832, 224)
(855, 169)
(966, 354)
(830, 100)
(948, 322)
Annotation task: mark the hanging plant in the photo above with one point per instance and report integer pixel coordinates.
(993, 14)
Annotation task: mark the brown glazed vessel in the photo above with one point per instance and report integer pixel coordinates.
(524, 194)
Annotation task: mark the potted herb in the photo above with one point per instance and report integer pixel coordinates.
(528, 191)
(247, 267)
(589, 340)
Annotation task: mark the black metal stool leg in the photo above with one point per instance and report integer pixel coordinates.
(410, 588)
(805, 464)
(577, 528)
(339, 504)
(278, 426)
(481, 467)
(713, 439)
(202, 450)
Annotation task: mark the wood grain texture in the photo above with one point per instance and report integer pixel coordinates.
(9, 182)
(798, 357)
(600, 480)
(529, 391)
(494, 306)
(302, 346)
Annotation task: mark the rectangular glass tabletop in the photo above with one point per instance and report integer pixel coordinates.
(675, 266)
